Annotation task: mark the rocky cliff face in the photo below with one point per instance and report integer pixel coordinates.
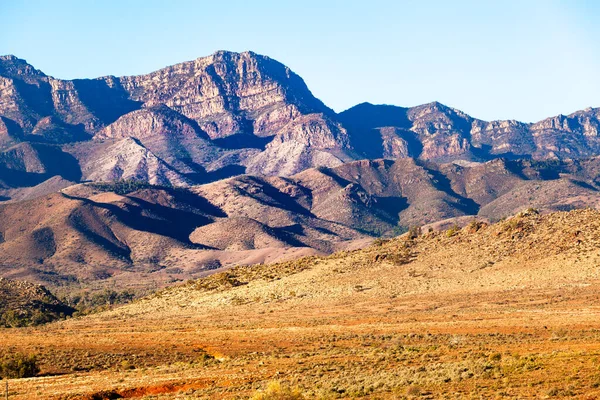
(439, 133)
(222, 103)
(234, 113)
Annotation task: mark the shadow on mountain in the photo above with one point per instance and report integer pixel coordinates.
(287, 237)
(37, 98)
(14, 178)
(187, 200)
(201, 176)
(362, 122)
(276, 199)
(78, 221)
(584, 185)
(392, 206)
(442, 183)
(295, 229)
(12, 127)
(243, 141)
(336, 178)
(153, 218)
(105, 102)
(58, 162)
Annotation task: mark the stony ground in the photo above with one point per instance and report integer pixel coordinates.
(502, 311)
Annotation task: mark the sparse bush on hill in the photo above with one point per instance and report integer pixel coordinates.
(380, 241)
(18, 366)
(453, 230)
(399, 230)
(86, 302)
(26, 304)
(121, 187)
(125, 186)
(277, 391)
(241, 275)
(395, 254)
(17, 319)
(475, 226)
(414, 232)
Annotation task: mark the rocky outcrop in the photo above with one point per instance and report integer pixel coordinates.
(23, 303)
(157, 120)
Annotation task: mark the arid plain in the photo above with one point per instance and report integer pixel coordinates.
(508, 310)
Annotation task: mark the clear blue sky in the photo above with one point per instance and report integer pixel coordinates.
(507, 59)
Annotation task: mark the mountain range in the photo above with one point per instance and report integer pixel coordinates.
(229, 159)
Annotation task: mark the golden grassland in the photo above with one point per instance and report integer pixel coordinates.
(509, 310)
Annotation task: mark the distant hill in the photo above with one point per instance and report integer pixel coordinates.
(24, 304)
(132, 234)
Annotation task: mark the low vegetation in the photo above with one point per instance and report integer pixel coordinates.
(26, 304)
(18, 366)
(121, 187)
(86, 302)
(21, 318)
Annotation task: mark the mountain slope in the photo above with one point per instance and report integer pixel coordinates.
(130, 234)
(228, 114)
(230, 101)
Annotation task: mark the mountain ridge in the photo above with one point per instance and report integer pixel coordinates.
(257, 116)
(230, 159)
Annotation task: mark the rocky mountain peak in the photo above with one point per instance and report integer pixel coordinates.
(17, 68)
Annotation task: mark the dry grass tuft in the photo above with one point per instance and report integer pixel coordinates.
(276, 391)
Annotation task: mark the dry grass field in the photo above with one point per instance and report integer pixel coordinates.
(509, 310)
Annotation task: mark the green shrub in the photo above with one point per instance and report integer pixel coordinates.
(89, 302)
(18, 366)
(17, 319)
(121, 187)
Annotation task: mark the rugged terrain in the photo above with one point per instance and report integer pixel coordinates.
(485, 311)
(230, 160)
(129, 235)
(23, 303)
(229, 114)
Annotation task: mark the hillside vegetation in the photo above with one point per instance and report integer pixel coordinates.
(25, 304)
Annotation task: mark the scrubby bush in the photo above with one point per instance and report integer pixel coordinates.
(380, 242)
(20, 318)
(453, 230)
(18, 366)
(277, 391)
(414, 232)
(87, 303)
(475, 226)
